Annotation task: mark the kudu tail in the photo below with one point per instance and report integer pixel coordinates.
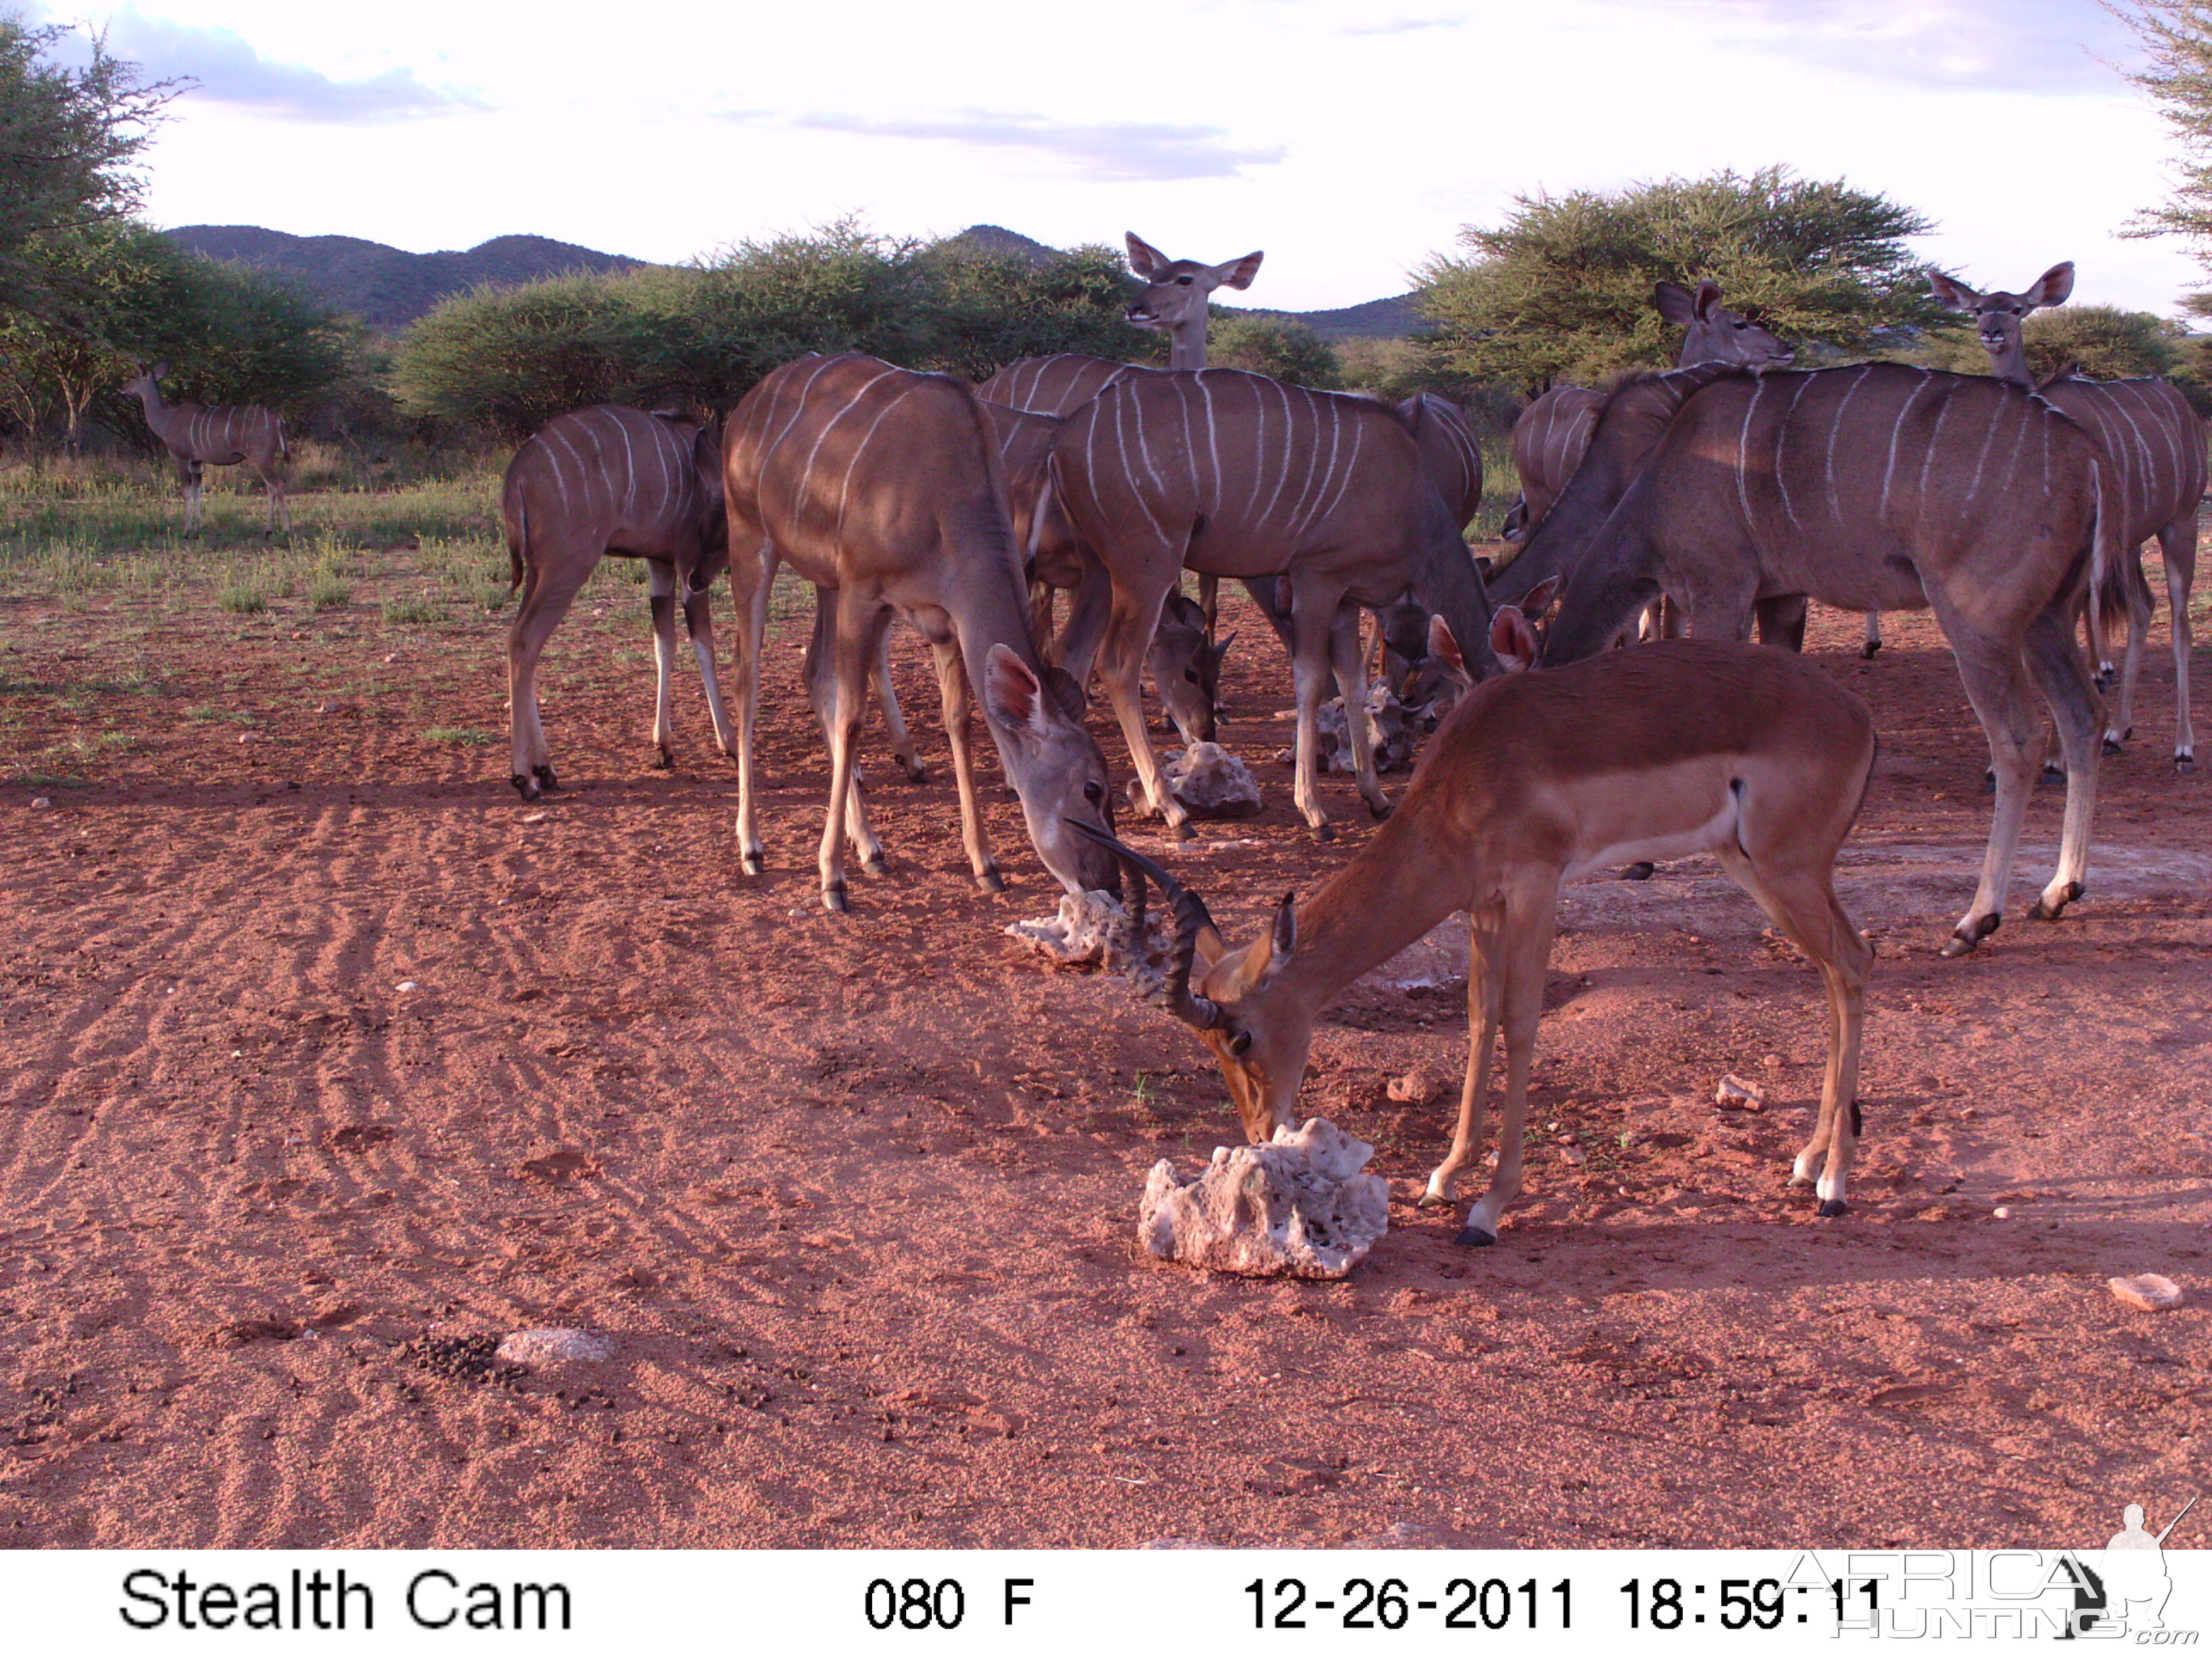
(2108, 564)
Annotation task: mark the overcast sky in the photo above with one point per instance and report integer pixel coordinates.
(1348, 141)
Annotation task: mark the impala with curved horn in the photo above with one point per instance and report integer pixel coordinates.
(1689, 746)
(881, 487)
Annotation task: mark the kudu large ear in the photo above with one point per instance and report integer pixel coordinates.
(1238, 273)
(1221, 650)
(2052, 288)
(1538, 599)
(1066, 694)
(1703, 302)
(1674, 302)
(1512, 640)
(1445, 649)
(1955, 294)
(160, 370)
(1014, 696)
(1145, 259)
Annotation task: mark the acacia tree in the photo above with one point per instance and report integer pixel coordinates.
(1562, 290)
(2176, 36)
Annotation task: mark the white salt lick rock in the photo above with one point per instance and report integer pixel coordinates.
(1301, 1205)
(2151, 1293)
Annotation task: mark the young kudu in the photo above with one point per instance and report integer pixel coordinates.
(1881, 487)
(881, 487)
(1751, 755)
(600, 481)
(197, 436)
(1232, 474)
(1173, 302)
(1553, 433)
(2155, 444)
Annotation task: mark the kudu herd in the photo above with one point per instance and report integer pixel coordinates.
(1733, 484)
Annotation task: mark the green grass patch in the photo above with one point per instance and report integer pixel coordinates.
(413, 611)
(455, 734)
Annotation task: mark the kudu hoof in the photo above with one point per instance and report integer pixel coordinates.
(1378, 813)
(1184, 832)
(914, 770)
(662, 760)
(2042, 911)
(833, 900)
(1474, 1237)
(1832, 1207)
(875, 867)
(1871, 649)
(990, 881)
(1641, 871)
(752, 861)
(526, 787)
(1989, 781)
(2054, 773)
(546, 778)
(1962, 941)
(2111, 747)
(1324, 833)
(2184, 760)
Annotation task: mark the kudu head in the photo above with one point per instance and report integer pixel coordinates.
(2001, 314)
(1173, 300)
(1185, 669)
(1225, 993)
(1516, 636)
(1714, 334)
(1056, 767)
(145, 379)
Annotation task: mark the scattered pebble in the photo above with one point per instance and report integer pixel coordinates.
(1771, 1062)
(394, 657)
(1572, 1156)
(327, 708)
(1416, 1088)
(1734, 1094)
(406, 984)
(554, 1347)
(249, 736)
(42, 801)
(2152, 1293)
(2003, 1212)
(538, 818)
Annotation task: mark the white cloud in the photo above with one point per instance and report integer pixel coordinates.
(1107, 151)
(228, 69)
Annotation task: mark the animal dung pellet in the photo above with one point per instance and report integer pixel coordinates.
(1734, 1094)
(542, 1349)
(1302, 1205)
(1415, 1088)
(2151, 1293)
(1092, 930)
(1212, 783)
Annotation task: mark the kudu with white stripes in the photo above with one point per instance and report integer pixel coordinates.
(1882, 488)
(1747, 754)
(197, 436)
(2156, 443)
(601, 480)
(1552, 432)
(1232, 474)
(881, 487)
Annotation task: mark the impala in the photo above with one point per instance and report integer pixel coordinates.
(1688, 746)
(197, 436)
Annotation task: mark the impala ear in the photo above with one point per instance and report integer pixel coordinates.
(1957, 295)
(1013, 694)
(1445, 649)
(1237, 273)
(1674, 302)
(1538, 599)
(1283, 938)
(2053, 286)
(1267, 955)
(1512, 640)
(1145, 259)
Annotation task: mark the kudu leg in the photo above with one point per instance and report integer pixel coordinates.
(2056, 667)
(2178, 550)
(751, 575)
(1121, 663)
(820, 670)
(549, 585)
(847, 634)
(954, 693)
(1090, 614)
(660, 580)
(2121, 722)
(894, 717)
(699, 624)
(1873, 642)
(1313, 615)
(1345, 657)
(1992, 673)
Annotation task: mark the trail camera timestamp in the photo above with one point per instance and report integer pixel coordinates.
(1465, 1603)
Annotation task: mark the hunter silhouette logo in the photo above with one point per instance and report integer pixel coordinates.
(2127, 1590)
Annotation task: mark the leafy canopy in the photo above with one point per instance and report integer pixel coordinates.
(1561, 292)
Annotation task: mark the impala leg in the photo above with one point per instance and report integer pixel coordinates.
(2177, 549)
(752, 570)
(1524, 949)
(1352, 684)
(1485, 986)
(953, 690)
(1873, 643)
(550, 582)
(1992, 674)
(660, 580)
(2057, 668)
(894, 717)
(699, 625)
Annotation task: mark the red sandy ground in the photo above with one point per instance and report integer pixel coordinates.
(855, 1197)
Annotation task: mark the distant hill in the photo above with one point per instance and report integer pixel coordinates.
(996, 239)
(1389, 319)
(386, 287)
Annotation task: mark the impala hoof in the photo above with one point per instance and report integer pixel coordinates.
(833, 900)
(990, 881)
(1638, 872)
(1474, 1237)
(1832, 1207)
(1962, 941)
(875, 866)
(2045, 911)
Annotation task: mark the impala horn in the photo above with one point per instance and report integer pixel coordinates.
(1190, 916)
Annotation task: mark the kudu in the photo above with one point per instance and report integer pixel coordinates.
(1232, 474)
(1174, 301)
(1553, 433)
(1689, 746)
(881, 487)
(2155, 444)
(197, 436)
(1877, 488)
(600, 481)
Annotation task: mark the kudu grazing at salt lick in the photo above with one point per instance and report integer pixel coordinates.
(881, 487)
(1233, 474)
(1881, 487)
(2155, 444)
(198, 436)
(1553, 433)
(1687, 746)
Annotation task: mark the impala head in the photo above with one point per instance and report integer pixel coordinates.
(1174, 299)
(2001, 315)
(1714, 334)
(1185, 669)
(1056, 767)
(1225, 993)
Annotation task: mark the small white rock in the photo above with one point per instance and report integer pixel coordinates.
(1573, 1157)
(42, 801)
(2003, 1212)
(533, 817)
(554, 1346)
(2151, 1293)
(406, 984)
(1734, 1094)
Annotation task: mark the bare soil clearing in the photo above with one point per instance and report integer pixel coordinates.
(854, 1198)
